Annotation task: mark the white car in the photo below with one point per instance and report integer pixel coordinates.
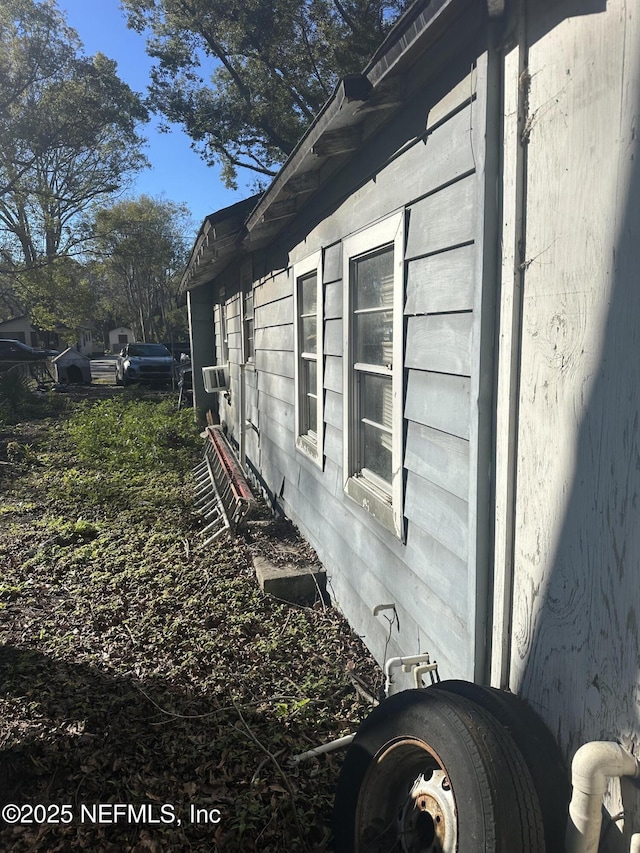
(152, 363)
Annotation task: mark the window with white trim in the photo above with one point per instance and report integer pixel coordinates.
(308, 306)
(373, 286)
(247, 325)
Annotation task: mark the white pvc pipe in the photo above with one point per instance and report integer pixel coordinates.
(340, 743)
(593, 764)
(393, 663)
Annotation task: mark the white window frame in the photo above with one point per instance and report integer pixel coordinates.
(224, 332)
(308, 443)
(384, 503)
(247, 322)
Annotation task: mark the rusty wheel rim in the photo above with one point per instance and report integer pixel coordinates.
(406, 803)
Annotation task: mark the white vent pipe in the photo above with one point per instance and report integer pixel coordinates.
(592, 765)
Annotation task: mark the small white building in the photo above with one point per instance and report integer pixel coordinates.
(120, 337)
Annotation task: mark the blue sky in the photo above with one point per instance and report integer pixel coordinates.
(177, 173)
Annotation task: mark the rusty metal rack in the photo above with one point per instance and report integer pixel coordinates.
(222, 496)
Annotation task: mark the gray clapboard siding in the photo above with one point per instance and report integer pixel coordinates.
(234, 344)
(277, 410)
(333, 337)
(442, 282)
(379, 576)
(276, 361)
(233, 307)
(438, 457)
(319, 487)
(333, 409)
(440, 342)
(273, 289)
(439, 513)
(333, 444)
(280, 387)
(332, 263)
(277, 313)
(333, 373)
(274, 337)
(443, 220)
(279, 459)
(333, 300)
(233, 325)
(440, 568)
(460, 94)
(440, 401)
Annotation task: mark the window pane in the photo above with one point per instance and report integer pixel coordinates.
(312, 379)
(308, 294)
(373, 278)
(374, 338)
(308, 396)
(248, 305)
(312, 414)
(376, 451)
(308, 334)
(376, 399)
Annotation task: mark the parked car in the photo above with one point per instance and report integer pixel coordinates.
(11, 350)
(151, 363)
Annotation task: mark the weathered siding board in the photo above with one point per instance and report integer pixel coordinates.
(275, 313)
(440, 342)
(442, 157)
(275, 361)
(333, 373)
(273, 289)
(333, 300)
(332, 264)
(438, 457)
(439, 513)
(277, 410)
(333, 444)
(333, 337)
(461, 94)
(380, 576)
(442, 282)
(333, 409)
(443, 220)
(440, 401)
(443, 570)
(280, 387)
(274, 337)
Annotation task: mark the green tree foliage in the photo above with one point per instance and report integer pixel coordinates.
(245, 77)
(141, 246)
(68, 137)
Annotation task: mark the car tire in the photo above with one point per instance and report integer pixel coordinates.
(430, 770)
(538, 747)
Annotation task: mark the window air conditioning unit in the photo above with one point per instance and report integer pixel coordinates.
(214, 378)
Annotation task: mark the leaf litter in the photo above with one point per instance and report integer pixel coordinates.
(137, 668)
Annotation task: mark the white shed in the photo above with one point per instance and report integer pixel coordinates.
(120, 337)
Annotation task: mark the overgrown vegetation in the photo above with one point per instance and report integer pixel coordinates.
(138, 668)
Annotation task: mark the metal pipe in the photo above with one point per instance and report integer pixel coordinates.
(592, 766)
(340, 743)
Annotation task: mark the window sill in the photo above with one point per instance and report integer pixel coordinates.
(308, 448)
(373, 501)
